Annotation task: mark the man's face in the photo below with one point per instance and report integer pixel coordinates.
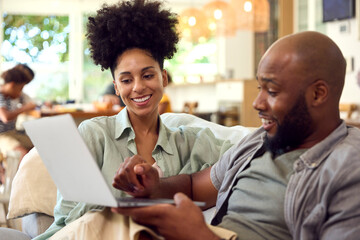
(281, 101)
(293, 130)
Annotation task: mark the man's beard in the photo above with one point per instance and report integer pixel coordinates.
(296, 127)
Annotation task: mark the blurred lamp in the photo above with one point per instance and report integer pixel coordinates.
(221, 18)
(193, 25)
(252, 15)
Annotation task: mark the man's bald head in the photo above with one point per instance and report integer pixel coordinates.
(317, 55)
(300, 77)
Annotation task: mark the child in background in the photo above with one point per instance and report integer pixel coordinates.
(12, 103)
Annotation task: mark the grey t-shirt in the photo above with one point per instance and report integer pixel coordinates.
(256, 204)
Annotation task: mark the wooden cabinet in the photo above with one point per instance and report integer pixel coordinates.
(249, 116)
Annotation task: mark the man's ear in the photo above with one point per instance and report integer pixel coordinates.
(116, 90)
(319, 92)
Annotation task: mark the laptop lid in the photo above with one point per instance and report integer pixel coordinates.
(72, 166)
(68, 160)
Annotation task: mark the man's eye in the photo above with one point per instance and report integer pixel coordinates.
(272, 93)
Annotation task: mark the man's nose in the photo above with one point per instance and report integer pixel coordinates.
(259, 103)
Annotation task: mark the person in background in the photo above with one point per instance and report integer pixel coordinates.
(110, 96)
(165, 104)
(13, 101)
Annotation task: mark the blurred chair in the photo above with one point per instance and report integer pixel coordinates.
(10, 162)
(349, 108)
(190, 107)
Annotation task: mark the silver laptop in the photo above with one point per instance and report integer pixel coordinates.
(72, 166)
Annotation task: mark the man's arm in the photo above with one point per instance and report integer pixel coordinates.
(202, 188)
(196, 186)
(140, 179)
(343, 211)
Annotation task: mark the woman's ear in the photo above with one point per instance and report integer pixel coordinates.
(165, 78)
(117, 92)
(319, 92)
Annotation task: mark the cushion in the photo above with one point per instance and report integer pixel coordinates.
(35, 224)
(233, 134)
(32, 189)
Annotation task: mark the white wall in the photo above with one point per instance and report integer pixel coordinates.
(209, 96)
(235, 55)
(349, 43)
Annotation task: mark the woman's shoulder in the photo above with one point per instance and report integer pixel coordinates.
(98, 123)
(190, 132)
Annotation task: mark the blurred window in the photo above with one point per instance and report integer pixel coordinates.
(95, 80)
(42, 42)
(194, 61)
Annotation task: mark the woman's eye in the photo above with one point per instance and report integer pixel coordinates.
(148, 76)
(125, 81)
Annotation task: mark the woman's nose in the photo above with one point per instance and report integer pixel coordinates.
(139, 86)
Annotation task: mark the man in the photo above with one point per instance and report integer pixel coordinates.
(297, 177)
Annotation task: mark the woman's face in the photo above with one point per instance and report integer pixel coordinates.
(140, 82)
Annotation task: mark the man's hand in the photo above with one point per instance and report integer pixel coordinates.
(182, 221)
(136, 177)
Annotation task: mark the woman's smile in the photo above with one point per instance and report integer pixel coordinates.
(142, 100)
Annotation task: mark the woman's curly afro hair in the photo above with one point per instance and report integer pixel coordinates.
(132, 24)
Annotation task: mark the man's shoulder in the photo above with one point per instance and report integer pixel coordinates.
(354, 132)
(254, 137)
(345, 154)
(352, 141)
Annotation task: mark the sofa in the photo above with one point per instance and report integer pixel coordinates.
(33, 194)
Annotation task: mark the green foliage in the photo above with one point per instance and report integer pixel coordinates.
(33, 34)
(47, 92)
(95, 80)
(191, 53)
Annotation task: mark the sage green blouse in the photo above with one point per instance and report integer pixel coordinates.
(111, 139)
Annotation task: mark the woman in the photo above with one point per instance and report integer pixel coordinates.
(132, 39)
